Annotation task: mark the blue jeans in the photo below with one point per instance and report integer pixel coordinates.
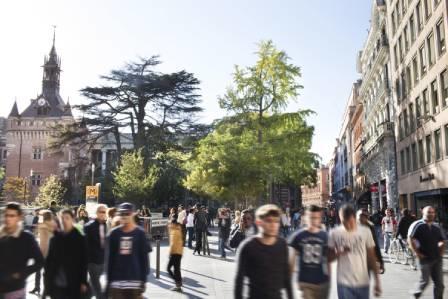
(222, 246)
(190, 236)
(387, 238)
(345, 292)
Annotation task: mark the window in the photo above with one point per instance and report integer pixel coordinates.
(398, 10)
(415, 69)
(403, 163)
(418, 11)
(428, 149)
(418, 111)
(400, 48)
(425, 102)
(406, 39)
(404, 7)
(408, 80)
(398, 90)
(400, 126)
(444, 87)
(403, 85)
(412, 28)
(435, 97)
(422, 54)
(37, 153)
(431, 49)
(446, 139)
(405, 120)
(428, 9)
(440, 31)
(396, 56)
(36, 179)
(414, 156)
(437, 144)
(421, 153)
(394, 24)
(408, 159)
(411, 117)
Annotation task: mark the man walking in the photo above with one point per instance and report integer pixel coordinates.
(200, 227)
(17, 248)
(96, 232)
(263, 259)
(182, 220)
(388, 226)
(127, 257)
(353, 247)
(427, 241)
(224, 230)
(311, 246)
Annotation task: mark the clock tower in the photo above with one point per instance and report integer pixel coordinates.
(29, 132)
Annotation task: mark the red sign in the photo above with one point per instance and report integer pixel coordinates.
(374, 188)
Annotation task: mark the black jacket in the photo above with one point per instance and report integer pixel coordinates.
(200, 221)
(403, 226)
(15, 253)
(67, 254)
(95, 251)
(224, 228)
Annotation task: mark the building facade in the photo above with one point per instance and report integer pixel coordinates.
(28, 133)
(378, 163)
(320, 193)
(419, 71)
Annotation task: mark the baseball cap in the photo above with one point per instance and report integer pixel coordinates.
(267, 210)
(126, 207)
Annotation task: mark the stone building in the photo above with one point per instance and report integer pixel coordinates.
(3, 150)
(28, 132)
(417, 31)
(378, 161)
(320, 193)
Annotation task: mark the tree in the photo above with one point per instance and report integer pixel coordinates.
(229, 163)
(2, 173)
(16, 189)
(51, 191)
(133, 182)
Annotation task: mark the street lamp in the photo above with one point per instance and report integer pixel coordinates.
(93, 173)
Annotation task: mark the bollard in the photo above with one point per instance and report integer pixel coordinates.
(158, 258)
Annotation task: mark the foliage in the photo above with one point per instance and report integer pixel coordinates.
(16, 189)
(52, 190)
(2, 173)
(134, 182)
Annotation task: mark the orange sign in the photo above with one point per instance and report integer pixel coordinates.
(91, 191)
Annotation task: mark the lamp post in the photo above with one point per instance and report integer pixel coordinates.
(93, 174)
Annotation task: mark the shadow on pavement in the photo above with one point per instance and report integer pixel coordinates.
(196, 273)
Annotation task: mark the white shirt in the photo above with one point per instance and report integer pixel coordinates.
(181, 217)
(352, 269)
(389, 223)
(190, 220)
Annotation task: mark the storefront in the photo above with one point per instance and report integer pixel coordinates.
(438, 198)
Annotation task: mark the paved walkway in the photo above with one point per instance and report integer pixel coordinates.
(211, 277)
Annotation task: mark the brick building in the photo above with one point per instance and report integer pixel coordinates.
(320, 193)
(29, 132)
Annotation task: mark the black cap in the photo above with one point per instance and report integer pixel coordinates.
(126, 207)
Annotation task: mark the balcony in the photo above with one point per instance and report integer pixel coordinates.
(383, 130)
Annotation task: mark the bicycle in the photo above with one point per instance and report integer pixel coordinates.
(399, 252)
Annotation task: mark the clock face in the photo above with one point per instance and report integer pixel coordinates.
(41, 102)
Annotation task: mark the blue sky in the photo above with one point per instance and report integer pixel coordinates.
(206, 38)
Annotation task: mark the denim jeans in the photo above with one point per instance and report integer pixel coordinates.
(434, 270)
(222, 246)
(190, 236)
(387, 238)
(345, 292)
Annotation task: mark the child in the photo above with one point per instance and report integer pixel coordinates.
(176, 250)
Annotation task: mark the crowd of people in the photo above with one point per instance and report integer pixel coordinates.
(72, 251)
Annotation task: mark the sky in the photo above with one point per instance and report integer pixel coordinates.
(205, 37)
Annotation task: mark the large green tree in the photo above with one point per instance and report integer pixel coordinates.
(133, 180)
(51, 191)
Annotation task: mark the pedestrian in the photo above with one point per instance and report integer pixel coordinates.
(96, 233)
(224, 230)
(176, 251)
(82, 216)
(244, 229)
(45, 231)
(362, 216)
(182, 220)
(17, 248)
(28, 221)
(126, 253)
(376, 219)
(200, 227)
(263, 259)
(65, 273)
(389, 227)
(353, 247)
(426, 239)
(111, 213)
(403, 227)
(311, 246)
(285, 223)
(190, 228)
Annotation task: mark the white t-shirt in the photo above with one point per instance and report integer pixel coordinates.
(190, 220)
(352, 269)
(389, 223)
(181, 216)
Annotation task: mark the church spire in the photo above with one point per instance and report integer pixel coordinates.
(14, 111)
(52, 71)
